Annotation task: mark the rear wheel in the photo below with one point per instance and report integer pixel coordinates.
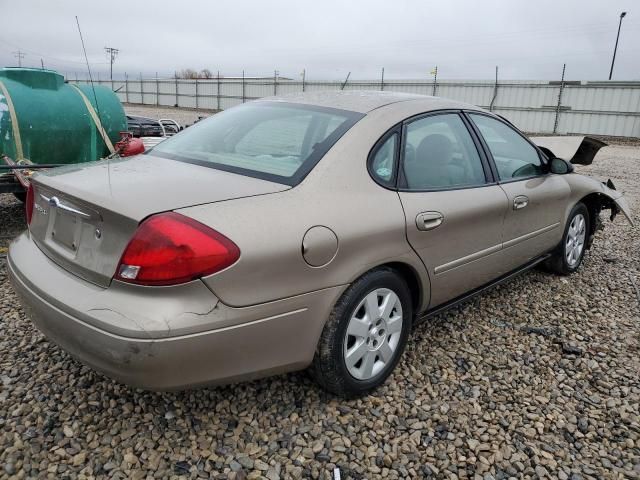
(569, 254)
(365, 335)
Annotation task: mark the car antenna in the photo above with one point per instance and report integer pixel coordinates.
(95, 97)
(93, 88)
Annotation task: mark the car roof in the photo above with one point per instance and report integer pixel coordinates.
(364, 101)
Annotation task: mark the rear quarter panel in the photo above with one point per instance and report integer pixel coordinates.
(367, 219)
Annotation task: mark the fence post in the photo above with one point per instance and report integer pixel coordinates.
(345, 81)
(218, 90)
(275, 82)
(555, 123)
(196, 93)
(176, 85)
(157, 91)
(435, 81)
(242, 86)
(382, 80)
(141, 88)
(126, 87)
(495, 91)
(304, 74)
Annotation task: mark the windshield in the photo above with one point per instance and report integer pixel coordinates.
(275, 141)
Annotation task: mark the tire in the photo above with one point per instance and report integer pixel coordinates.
(22, 196)
(336, 365)
(573, 241)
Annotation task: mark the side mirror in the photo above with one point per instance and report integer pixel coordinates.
(560, 166)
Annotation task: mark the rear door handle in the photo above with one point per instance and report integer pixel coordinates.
(429, 220)
(520, 201)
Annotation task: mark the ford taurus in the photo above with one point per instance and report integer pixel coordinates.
(309, 230)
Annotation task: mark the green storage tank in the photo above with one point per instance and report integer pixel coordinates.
(56, 121)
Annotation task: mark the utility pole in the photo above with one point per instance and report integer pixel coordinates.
(112, 53)
(615, 49)
(19, 55)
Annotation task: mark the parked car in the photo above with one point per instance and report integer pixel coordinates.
(143, 126)
(309, 230)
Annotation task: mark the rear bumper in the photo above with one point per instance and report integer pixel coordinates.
(166, 338)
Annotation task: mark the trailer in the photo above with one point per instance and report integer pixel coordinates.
(46, 122)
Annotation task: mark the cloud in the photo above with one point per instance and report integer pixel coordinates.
(465, 38)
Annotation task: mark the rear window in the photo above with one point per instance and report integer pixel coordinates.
(275, 141)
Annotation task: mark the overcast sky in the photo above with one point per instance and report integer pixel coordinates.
(464, 38)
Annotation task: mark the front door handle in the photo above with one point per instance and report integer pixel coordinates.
(520, 201)
(429, 220)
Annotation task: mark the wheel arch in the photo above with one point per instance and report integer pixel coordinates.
(418, 291)
(595, 203)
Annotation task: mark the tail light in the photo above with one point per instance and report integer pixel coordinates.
(28, 204)
(170, 248)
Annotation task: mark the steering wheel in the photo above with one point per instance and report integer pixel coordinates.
(525, 171)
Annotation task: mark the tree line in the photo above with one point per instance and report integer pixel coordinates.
(190, 73)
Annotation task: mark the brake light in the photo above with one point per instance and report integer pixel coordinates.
(29, 204)
(170, 248)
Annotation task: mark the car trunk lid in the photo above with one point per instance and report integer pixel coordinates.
(85, 215)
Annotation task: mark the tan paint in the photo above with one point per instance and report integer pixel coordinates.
(239, 323)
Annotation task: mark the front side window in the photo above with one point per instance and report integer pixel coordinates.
(272, 140)
(439, 153)
(513, 155)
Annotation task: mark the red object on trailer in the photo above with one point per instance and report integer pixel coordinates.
(128, 145)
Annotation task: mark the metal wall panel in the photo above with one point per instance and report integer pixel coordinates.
(602, 108)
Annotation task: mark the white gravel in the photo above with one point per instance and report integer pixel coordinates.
(537, 378)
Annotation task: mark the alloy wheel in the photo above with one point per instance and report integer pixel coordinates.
(373, 334)
(575, 240)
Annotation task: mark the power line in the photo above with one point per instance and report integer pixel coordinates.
(112, 53)
(49, 57)
(19, 55)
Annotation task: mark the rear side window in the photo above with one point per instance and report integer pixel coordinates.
(513, 155)
(439, 153)
(276, 141)
(383, 162)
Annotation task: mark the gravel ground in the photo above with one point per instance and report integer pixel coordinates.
(537, 378)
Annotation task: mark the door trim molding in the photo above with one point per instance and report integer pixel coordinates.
(440, 269)
(527, 236)
(466, 259)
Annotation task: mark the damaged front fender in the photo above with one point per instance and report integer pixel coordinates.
(622, 205)
(608, 198)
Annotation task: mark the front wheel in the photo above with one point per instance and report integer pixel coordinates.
(365, 335)
(569, 254)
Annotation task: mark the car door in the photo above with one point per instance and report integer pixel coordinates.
(537, 199)
(454, 210)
